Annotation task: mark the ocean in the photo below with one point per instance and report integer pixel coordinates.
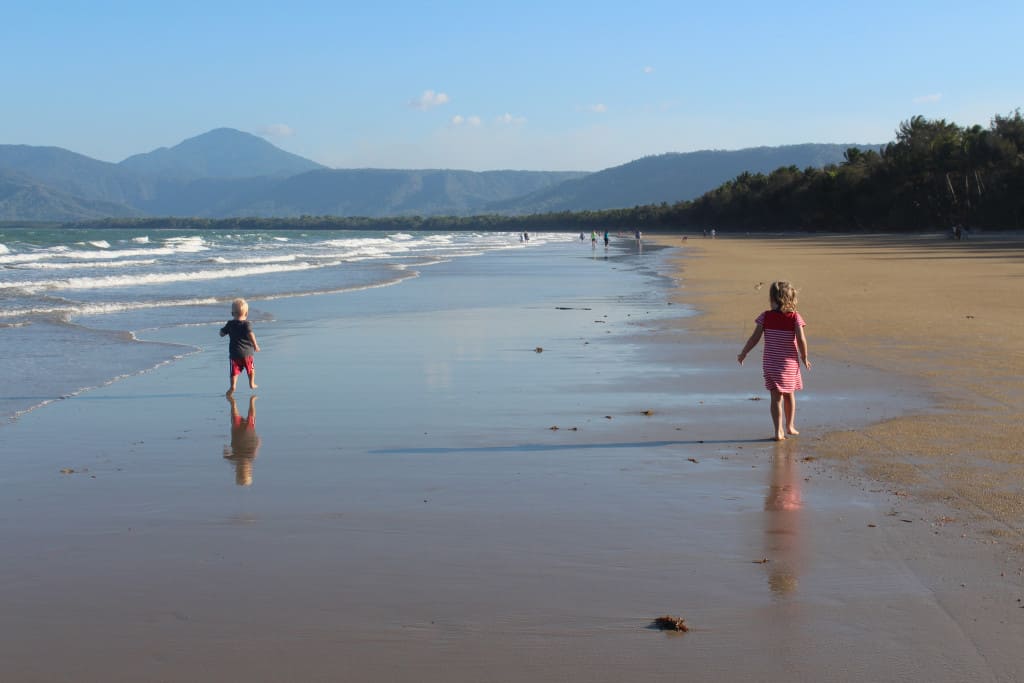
(80, 309)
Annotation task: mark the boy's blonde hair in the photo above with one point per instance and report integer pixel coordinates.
(783, 295)
(239, 307)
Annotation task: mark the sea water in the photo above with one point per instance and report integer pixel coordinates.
(81, 308)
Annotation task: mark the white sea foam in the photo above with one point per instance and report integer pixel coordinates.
(186, 244)
(4, 249)
(82, 265)
(100, 244)
(284, 258)
(102, 308)
(151, 279)
(141, 240)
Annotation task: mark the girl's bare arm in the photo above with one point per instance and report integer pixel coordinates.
(755, 337)
(801, 346)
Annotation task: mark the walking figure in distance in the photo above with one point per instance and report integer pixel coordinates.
(785, 345)
(241, 344)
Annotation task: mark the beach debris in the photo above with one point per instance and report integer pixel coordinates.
(693, 460)
(539, 349)
(670, 623)
(66, 470)
(553, 428)
(648, 412)
(872, 526)
(754, 398)
(758, 286)
(607, 417)
(574, 429)
(600, 321)
(809, 458)
(572, 308)
(969, 317)
(763, 560)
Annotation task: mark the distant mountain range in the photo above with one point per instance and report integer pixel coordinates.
(227, 173)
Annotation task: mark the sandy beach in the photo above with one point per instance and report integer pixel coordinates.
(942, 314)
(506, 473)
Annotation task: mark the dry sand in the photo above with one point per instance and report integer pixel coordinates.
(948, 314)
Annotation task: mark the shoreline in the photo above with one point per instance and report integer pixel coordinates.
(412, 515)
(903, 322)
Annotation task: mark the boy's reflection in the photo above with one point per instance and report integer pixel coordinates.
(783, 506)
(245, 442)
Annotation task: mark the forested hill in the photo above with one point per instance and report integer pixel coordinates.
(934, 175)
(228, 173)
(669, 178)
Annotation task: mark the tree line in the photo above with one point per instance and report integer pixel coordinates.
(935, 174)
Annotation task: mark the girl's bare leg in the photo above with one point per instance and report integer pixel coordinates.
(789, 403)
(776, 408)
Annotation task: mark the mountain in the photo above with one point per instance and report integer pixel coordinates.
(76, 174)
(220, 153)
(228, 173)
(24, 199)
(668, 178)
(378, 193)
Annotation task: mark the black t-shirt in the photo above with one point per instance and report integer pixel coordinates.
(240, 344)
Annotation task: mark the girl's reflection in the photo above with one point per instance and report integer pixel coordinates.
(782, 519)
(245, 442)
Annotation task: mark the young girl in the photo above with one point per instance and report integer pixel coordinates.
(784, 339)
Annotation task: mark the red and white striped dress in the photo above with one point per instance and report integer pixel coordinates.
(781, 358)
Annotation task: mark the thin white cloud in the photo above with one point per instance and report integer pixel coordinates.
(428, 100)
(648, 69)
(598, 108)
(460, 120)
(276, 130)
(507, 119)
(928, 99)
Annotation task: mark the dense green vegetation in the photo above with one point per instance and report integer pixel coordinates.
(933, 175)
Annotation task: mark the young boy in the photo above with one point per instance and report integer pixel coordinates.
(242, 344)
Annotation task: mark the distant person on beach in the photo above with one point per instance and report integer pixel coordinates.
(785, 345)
(606, 239)
(245, 442)
(593, 238)
(241, 344)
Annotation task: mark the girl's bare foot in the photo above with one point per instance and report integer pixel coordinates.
(792, 430)
(779, 437)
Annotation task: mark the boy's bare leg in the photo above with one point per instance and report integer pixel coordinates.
(234, 385)
(789, 403)
(776, 408)
(252, 380)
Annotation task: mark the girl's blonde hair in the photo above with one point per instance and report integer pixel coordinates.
(783, 295)
(239, 307)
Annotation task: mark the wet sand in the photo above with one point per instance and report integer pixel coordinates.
(410, 514)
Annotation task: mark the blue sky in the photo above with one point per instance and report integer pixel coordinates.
(499, 85)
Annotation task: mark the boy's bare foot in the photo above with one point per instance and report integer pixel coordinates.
(779, 437)
(229, 393)
(792, 430)
(254, 386)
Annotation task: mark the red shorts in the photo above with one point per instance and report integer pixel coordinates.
(236, 366)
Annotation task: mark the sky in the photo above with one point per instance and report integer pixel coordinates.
(490, 85)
